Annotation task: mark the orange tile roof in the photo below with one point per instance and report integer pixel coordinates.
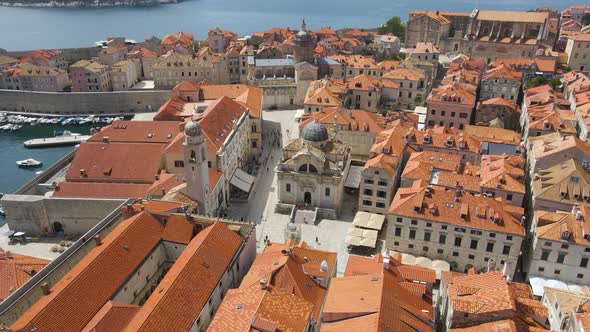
(356, 120)
(488, 297)
(503, 72)
(165, 183)
(177, 229)
(384, 161)
(411, 74)
(116, 162)
(185, 39)
(439, 205)
(97, 276)
(15, 270)
(203, 263)
(365, 82)
(322, 96)
(113, 316)
(500, 102)
(218, 121)
(388, 65)
(454, 93)
(585, 37)
(551, 225)
(360, 265)
(541, 63)
(251, 96)
(100, 190)
(355, 61)
(171, 110)
(138, 132)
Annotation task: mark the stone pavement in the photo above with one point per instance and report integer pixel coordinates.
(330, 234)
(41, 249)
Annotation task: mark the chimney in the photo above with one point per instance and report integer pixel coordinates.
(82, 172)
(506, 271)
(491, 265)
(105, 139)
(263, 283)
(98, 240)
(46, 288)
(386, 262)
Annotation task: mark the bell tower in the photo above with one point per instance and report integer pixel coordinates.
(196, 166)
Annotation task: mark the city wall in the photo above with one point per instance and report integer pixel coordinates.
(82, 103)
(70, 54)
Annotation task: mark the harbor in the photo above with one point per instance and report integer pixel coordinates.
(13, 122)
(12, 150)
(63, 138)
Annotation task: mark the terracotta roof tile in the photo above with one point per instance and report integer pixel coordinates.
(15, 270)
(138, 132)
(112, 317)
(100, 190)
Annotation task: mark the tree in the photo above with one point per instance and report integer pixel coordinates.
(395, 57)
(586, 19)
(554, 83)
(394, 25)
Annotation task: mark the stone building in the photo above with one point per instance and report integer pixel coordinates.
(560, 246)
(498, 108)
(303, 45)
(371, 93)
(29, 77)
(564, 305)
(90, 76)
(144, 60)
(123, 75)
(545, 111)
(507, 34)
(174, 67)
(353, 127)
(450, 224)
(451, 105)
(181, 42)
(313, 169)
(501, 303)
(140, 273)
(443, 29)
(552, 149)
(219, 39)
(501, 82)
(578, 52)
(560, 187)
(47, 58)
(324, 93)
(112, 54)
(413, 86)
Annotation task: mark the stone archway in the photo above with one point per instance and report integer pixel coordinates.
(58, 227)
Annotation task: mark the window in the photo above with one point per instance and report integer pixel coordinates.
(381, 194)
(442, 113)
(412, 233)
(369, 181)
(547, 244)
(541, 269)
(458, 241)
(367, 203)
(490, 247)
(580, 276)
(545, 255)
(428, 224)
(453, 114)
(380, 205)
(368, 192)
(382, 183)
(178, 163)
(442, 238)
(414, 222)
(426, 236)
(473, 244)
(492, 234)
(425, 248)
(506, 250)
(509, 197)
(471, 256)
(288, 187)
(396, 243)
(444, 227)
(455, 254)
(463, 115)
(327, 191)
(398, 219)
(584, 262)
(560, 258)
(411, 246)
(556, 271)
(509, 237)
(565, 246)
(398, 231)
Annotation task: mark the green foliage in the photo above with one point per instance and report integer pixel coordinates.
(540, 80)
(256, 43)
(586, 19)
(395, 57)
(369, 39)
(394, 25)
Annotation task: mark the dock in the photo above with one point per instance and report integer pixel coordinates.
(55, 141)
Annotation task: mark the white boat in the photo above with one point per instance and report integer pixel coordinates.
(29, 163)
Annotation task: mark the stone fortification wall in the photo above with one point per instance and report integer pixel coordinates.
(82, 103)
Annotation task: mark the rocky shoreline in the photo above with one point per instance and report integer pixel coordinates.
(86, 4)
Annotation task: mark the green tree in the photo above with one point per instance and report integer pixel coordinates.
(554, 83)
(536, 81)
(395, 57)
(394, 25)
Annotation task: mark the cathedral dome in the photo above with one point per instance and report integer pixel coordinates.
(192, 129)
(314, 132)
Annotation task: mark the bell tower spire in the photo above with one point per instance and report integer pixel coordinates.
(196, 165)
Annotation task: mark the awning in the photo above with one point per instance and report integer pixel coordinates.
(242, 180)
(354, 177)
(368, 220)
(361, 237)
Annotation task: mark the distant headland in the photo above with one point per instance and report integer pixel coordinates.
(82, 3)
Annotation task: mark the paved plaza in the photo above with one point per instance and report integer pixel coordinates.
(326, 235)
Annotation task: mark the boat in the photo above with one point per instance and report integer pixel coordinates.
(61, 138)
(29, 163)
(2, 213)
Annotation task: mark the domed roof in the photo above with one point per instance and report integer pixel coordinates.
(192, 129)
(302, 33)
(314, 132)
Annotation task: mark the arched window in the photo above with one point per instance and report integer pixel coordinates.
(309, 168)
(193, 157)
